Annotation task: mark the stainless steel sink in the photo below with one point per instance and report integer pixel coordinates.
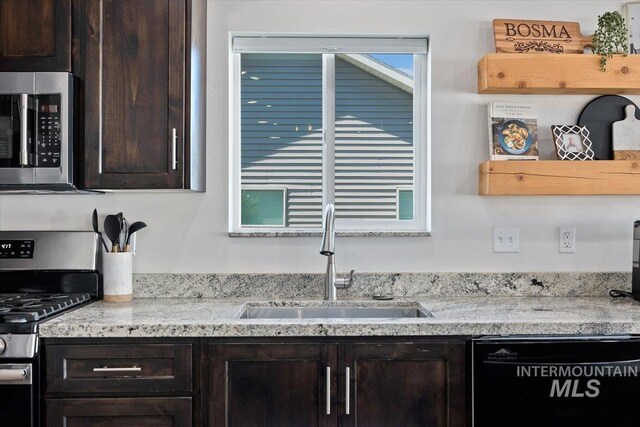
(333, 312)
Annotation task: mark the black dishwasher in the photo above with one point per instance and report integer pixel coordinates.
(556, 381)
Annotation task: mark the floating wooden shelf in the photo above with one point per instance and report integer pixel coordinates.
(557, 74)
(557, 177)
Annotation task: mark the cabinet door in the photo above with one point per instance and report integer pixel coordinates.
(403, 384)
(138, 412)
(271, 385)
(35, 35)
(131, 62)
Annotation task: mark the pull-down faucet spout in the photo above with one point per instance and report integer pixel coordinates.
(331, 282)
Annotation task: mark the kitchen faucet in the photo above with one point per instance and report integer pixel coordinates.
(331, 282)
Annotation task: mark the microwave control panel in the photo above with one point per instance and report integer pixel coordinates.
(49, 137)
(17, 248)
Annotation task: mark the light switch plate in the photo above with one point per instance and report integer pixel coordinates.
(506, 239)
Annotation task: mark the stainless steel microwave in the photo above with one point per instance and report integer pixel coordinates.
(36, 130)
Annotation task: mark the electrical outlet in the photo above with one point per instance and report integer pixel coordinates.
(567, 240)
(506, 239)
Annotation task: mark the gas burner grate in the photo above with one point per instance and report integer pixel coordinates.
(23, 308)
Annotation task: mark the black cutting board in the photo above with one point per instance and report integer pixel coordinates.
(598, 116)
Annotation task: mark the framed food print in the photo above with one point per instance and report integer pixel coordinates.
(572, 142)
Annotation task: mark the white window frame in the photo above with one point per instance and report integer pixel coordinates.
(284, 206)
(328, 46)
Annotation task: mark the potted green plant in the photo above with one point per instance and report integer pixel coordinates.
(611, 37)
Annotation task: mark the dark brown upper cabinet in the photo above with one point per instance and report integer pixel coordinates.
(35, 35)
(133, 64)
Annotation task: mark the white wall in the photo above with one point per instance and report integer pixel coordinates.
(187, 232)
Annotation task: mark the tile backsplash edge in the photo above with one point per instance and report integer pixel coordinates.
(300, 285)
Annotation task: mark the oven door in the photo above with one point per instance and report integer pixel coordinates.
(19, 400)
(577, 383)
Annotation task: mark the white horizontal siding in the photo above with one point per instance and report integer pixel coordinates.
(281, 136)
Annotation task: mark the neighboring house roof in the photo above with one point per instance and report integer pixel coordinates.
(381, 70)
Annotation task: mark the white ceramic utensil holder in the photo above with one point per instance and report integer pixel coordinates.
(117, 276)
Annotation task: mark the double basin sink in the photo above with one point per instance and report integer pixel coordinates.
(355, 311)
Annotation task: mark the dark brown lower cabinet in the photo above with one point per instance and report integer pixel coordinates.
(306, 382)
(119, 412)
(346, 383)
(124, 382)
(271, 385)
(403, 384)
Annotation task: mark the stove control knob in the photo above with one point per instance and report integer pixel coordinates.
(3, 346)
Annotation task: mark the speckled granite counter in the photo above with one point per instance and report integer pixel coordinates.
(452, 315)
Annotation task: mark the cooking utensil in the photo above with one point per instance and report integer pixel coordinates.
(136, 226)
(124, 229)
(598, 116)
(126, 233)
(94, 221)
(112, 229)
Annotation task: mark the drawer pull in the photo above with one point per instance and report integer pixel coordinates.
(115, 370)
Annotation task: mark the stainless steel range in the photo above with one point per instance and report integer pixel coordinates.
(42, 274)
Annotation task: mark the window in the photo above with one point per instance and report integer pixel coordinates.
(405, 204)
(262, 207)
(329, 120)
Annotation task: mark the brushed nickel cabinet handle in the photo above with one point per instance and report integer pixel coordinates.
(174, 149)
(328, 390)
(347, 389)
(115, 370)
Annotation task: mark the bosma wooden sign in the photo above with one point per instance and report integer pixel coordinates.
(526, 36)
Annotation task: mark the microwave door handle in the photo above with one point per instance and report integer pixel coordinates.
(24, 127)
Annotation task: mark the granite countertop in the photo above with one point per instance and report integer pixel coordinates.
(452, 315)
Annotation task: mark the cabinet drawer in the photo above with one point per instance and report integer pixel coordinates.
(141, 368)
(157, 412)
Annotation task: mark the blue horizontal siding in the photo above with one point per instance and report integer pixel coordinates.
(281, 138)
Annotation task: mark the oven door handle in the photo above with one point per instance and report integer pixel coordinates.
(15, 374)
(24, 129)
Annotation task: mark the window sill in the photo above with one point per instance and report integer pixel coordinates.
(338, 233)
